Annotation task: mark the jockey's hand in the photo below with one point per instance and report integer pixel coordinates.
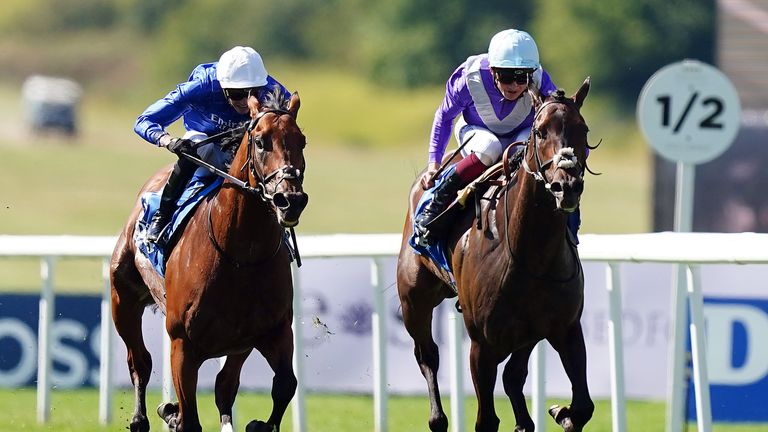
(180, 145)
(426, 179)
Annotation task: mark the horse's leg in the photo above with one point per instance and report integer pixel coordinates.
(127, 311)
(483, 366)
(227, 384)
(515, 373)
(573, 355)
(418, 299)
(184, 369)
(278, 352)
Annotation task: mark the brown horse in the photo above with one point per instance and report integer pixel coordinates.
(228, 286)
(518, 276)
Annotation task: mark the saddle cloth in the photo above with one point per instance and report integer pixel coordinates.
(436, 251)
(199, 187)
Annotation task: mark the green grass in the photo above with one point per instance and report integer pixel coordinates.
(77, 410)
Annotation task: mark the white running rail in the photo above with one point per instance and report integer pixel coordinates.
(689, 250)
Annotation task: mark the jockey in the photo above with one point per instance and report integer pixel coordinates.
(213, 100)
(489, 92)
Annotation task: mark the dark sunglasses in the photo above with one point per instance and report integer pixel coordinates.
(238, 94)
(509, 76)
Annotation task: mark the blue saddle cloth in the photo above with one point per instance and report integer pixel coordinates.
(198, 188)
(436, 251)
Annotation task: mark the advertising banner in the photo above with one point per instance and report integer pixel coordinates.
(336, 298)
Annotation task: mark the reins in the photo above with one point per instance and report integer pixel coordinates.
(287, 172)
(538, 175)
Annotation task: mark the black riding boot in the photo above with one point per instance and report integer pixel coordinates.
(444, 195)
(177, 181)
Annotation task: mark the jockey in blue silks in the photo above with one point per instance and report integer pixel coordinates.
(213, 100)
(488, 92)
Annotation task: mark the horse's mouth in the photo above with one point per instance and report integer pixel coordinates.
(568, 204)
(287, 223)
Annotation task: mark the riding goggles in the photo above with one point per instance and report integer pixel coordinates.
(239, 94)
(509, 76)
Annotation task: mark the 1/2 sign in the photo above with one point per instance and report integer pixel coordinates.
(689, 112)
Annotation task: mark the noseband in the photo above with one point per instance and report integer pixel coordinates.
(564, 158)
(257, 145)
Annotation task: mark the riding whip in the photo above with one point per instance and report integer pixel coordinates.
(453, 155)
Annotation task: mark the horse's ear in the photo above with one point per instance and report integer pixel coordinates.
(581, 93)
(294, 104)
(254, 105)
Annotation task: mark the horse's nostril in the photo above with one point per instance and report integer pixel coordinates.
(281, 201)
(556, 187)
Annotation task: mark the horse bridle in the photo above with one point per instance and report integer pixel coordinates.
(286, 172)
(564, 158)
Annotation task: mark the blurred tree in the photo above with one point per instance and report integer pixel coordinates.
(272, 28)
(417, 42)
(41, 18)
(146, 15)
(621, 43)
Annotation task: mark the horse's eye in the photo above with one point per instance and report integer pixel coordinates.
(258, 142)
(541, 133)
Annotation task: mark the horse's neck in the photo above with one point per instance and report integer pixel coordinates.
(242, 224)
(535, 229)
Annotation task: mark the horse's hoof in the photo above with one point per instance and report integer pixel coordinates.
(167, 411)
(562, 416)
(260, 426)
(139, 424)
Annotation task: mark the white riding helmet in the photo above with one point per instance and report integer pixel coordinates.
(513, 49)
(241, 67)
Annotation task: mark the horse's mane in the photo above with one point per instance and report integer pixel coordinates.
(275, 98)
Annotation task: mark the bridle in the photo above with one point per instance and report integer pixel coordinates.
(564, 158)
(257, 145)
(286, 172)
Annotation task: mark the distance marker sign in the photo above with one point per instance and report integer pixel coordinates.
(689, 112)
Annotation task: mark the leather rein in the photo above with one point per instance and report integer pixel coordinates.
(287, 172)
(540, 175)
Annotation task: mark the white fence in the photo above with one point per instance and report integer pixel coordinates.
(689, 250)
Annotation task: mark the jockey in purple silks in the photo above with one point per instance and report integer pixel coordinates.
(488, 92)
(213, 100)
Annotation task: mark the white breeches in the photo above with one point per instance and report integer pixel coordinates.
(485, 144)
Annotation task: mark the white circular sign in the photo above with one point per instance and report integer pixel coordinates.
(689, 112)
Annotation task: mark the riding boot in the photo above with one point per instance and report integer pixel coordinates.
(444, 194)
(177, 181)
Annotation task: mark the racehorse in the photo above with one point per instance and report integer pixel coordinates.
(228, 286)
(518, 276)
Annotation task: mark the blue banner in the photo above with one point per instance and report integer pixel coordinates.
(74, 340)
(736, 360)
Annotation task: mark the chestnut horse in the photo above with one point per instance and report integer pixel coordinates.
(228, 286)
(518, 276)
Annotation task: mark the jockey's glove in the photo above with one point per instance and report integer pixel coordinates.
(180, 145)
